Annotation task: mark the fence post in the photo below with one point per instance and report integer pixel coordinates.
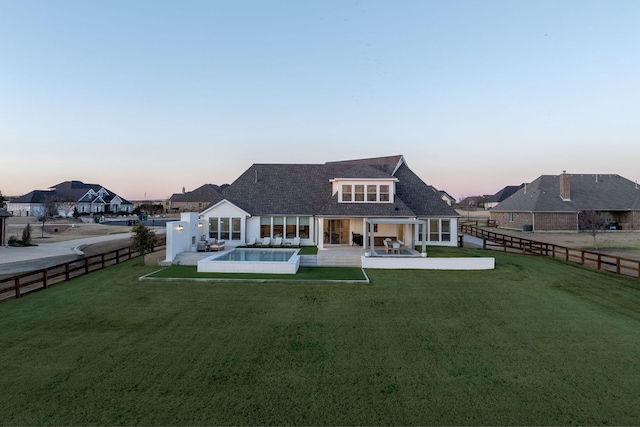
(129, 252)
(44, 278)
(102, 258)
(599, 261)
(17, 286)
(86, 266)
(118, 256)
(618, 264)
(484, 243)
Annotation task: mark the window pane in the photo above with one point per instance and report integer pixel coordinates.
(225, 226)
(384, 193)
(291, 227)
(236, 224)
(213, 228)
(372, 195)
(446, 230)
(278, 226)
(434, 232)
(346, 193)
(304, 227)
(359, 193)
(265, 226)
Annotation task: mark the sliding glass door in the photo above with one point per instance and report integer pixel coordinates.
(336, 232)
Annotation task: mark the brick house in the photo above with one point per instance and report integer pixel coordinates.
(555, 203)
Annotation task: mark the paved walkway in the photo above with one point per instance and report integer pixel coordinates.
(15, 260)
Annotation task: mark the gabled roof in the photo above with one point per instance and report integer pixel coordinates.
(68, 191)
(4, 213)
(504, 193)
(208, 193)
(598, 192)
(305, 189)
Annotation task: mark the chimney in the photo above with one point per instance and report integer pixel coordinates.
(565, 186)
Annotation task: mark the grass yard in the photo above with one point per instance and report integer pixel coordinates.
(535, 341)
(304, 274)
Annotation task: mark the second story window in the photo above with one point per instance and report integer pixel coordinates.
(384, 193)
(372, 193)
(359, 193)
(346, 193)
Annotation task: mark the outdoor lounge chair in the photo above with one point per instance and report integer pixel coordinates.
(203, 246)
(264, 243)
(251, 243)
(216, 245)
(295, 242)
(277, 242)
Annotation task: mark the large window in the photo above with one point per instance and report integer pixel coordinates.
(384, 193)
(265, 226)
(346, 193)
(236, 228)
(434, 230)
(287, 227)
(303, 231)
(225, 228)
(213, 228)
(372, 193)
(291, 227)
(446, 230)
(278, 226)
(365, 193)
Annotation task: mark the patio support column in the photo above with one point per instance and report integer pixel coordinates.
(320, 233)
(364, 234)
(372, 244)
(424, 238)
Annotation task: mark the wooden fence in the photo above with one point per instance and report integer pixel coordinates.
(24, 283)
(505, 243)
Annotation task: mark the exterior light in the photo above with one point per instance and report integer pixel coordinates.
(180, 227)
(200, 225)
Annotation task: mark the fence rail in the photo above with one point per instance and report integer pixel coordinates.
(497, 241)
(24, 283)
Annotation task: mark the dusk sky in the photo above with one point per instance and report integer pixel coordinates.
(147, 97)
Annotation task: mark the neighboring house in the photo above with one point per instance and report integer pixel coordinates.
(501, 195)
(64, 197)
(197, 199)
(555, 202)
(447, 197)
(331, 204)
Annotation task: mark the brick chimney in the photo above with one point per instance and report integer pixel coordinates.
(565, 186)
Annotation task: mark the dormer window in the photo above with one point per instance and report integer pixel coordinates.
(365, 193)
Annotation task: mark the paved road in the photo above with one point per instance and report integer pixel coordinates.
(15, 260)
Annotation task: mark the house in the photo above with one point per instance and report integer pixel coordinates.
(450, 200)
(330, 204)
(197, 199)
(555, 203)
(61, 199)
(501, 195)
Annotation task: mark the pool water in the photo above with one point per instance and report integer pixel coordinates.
(259, 255)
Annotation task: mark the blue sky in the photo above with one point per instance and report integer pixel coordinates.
(147, 97)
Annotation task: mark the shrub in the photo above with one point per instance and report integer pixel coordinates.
(26, 235)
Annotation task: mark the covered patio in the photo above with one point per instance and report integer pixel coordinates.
(404, 248)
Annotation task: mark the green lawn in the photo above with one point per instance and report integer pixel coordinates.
(535, 341)
(304, 274)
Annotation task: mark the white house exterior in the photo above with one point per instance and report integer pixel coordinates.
(331, 204)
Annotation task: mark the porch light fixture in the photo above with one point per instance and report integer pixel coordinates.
(200, 225)
(180, 227)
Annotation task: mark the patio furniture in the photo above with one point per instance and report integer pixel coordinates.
(356, 239)
(296, 242)
(396, 247)
(277, 242)
(251, 243)
(264, 242)
(202, 246)
(216, 245)
(387, 245)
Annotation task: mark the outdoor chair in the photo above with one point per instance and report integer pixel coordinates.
(251, 243)
(396, 247)
(277, 242)
(264, 243)
(295, 242)
(203, 246)
(216, 245)
(388, 246)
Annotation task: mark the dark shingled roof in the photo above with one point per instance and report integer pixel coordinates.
(606, 193)
(70, 191)
(305, 189)
(4, 213)
(504, 193)
(209, 193)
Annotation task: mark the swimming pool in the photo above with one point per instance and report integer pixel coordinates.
(270, 261)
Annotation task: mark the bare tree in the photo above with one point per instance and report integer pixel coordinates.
(592, 222)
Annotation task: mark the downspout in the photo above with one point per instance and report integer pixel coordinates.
(533, 221)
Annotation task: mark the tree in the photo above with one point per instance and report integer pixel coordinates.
(2, 200)
(143, 239)
(592, 222)
(26, 235)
